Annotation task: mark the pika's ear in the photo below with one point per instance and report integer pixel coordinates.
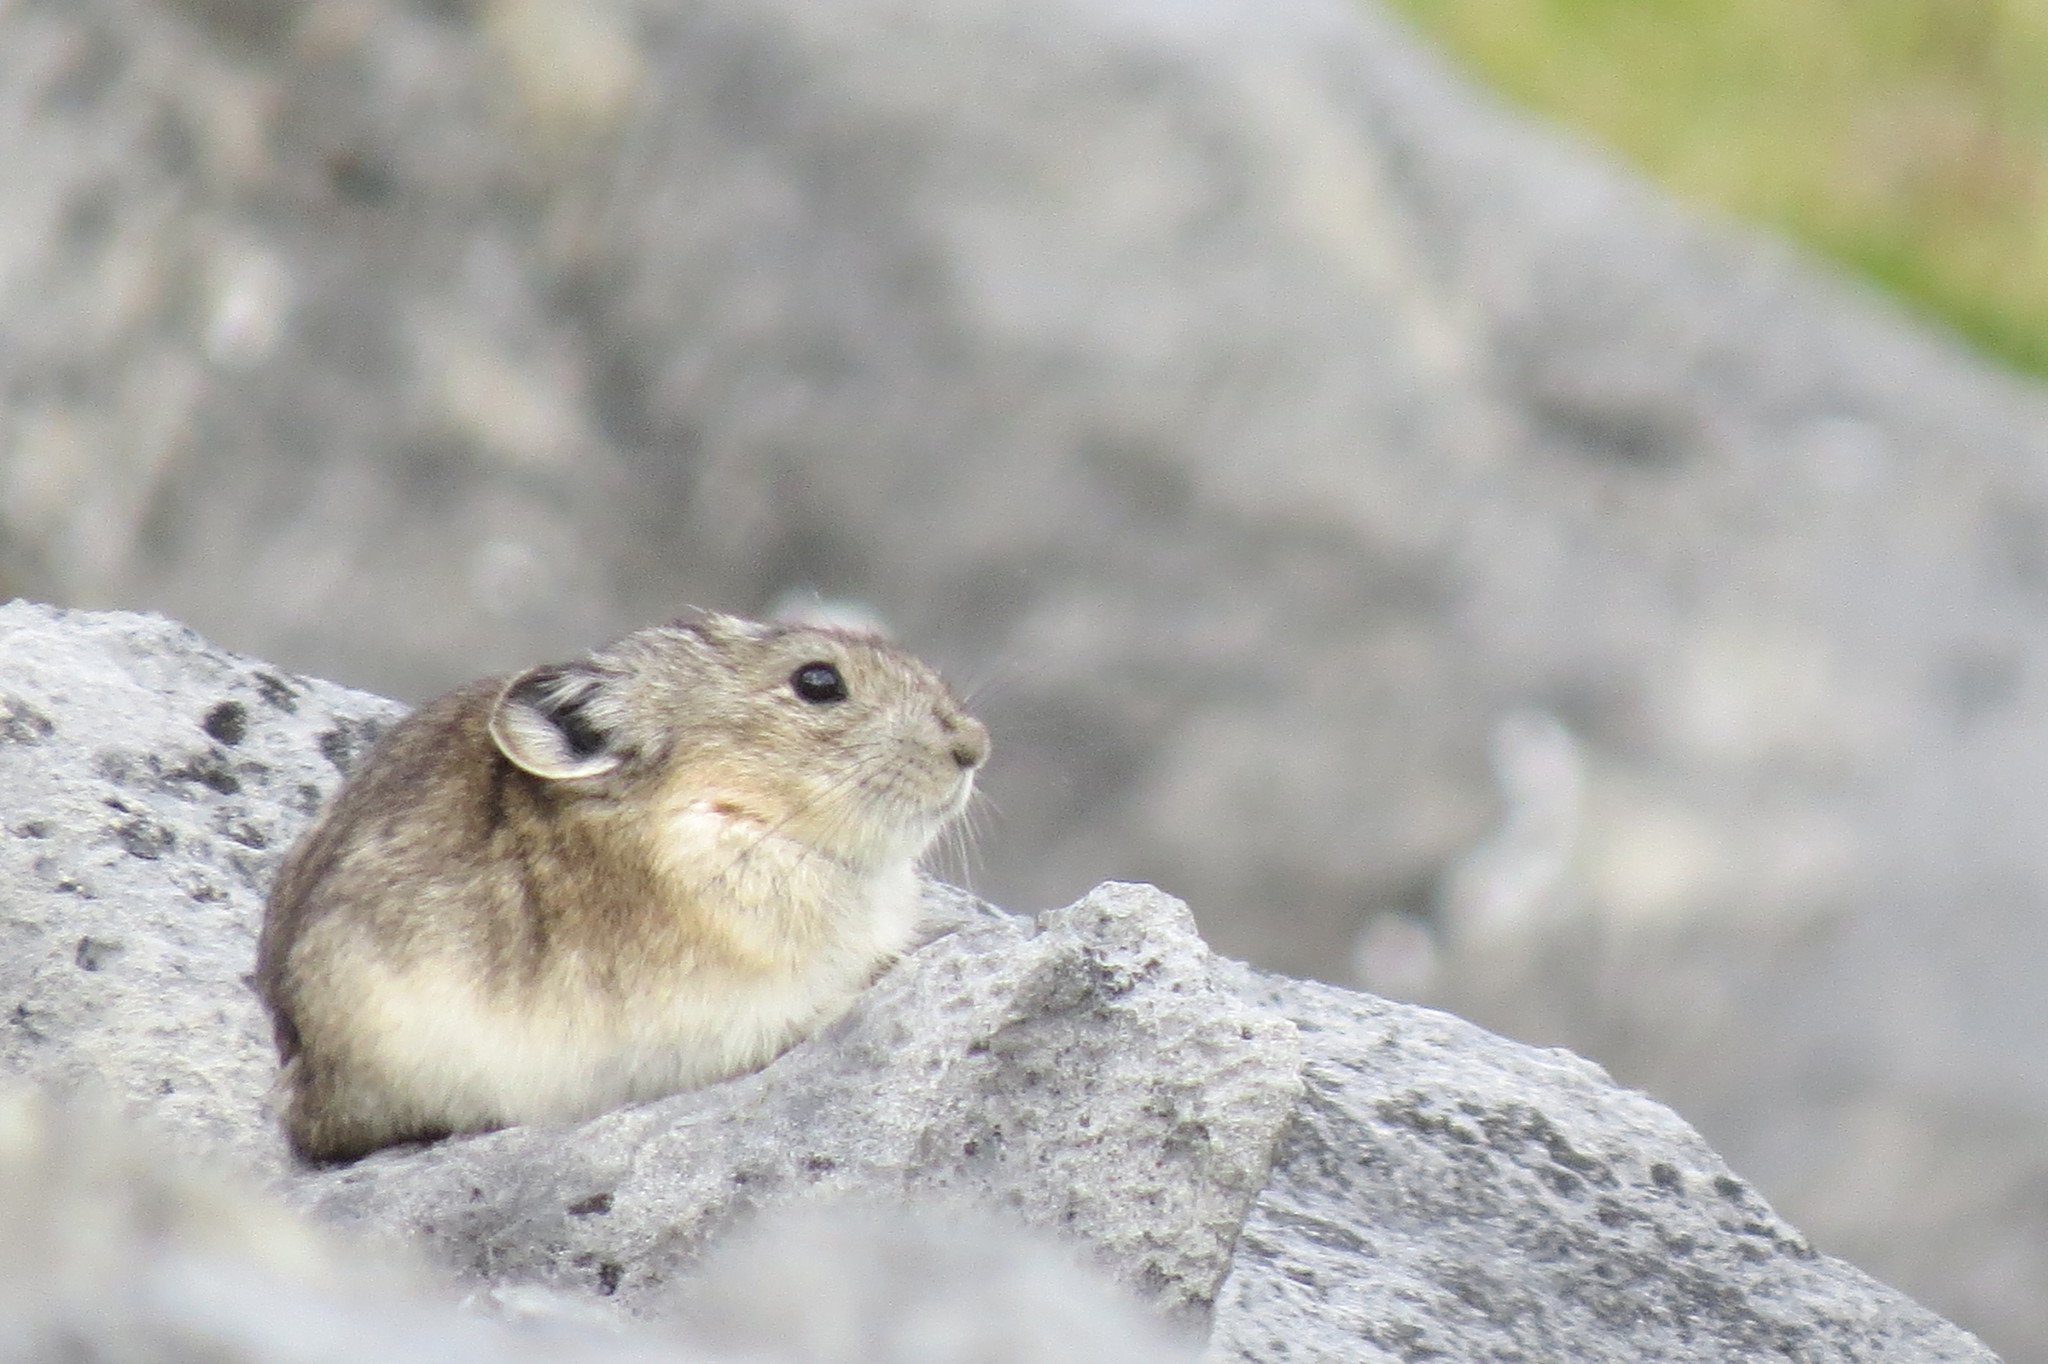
(542, 724)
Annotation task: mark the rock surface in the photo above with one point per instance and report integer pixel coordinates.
(1444, 562)
(1305, 1172)
(116, 1251)
(1441, 1193)
(1201, 376)
(1090, 1076)
(151, 785)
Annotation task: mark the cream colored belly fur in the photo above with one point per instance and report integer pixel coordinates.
(466, 1056)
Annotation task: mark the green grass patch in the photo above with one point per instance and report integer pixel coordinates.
(1906, 138)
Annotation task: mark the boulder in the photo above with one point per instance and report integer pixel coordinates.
(1295, 1170)
(151, 785)
(1449, 565)
(1094, 1075)
(119, 1250)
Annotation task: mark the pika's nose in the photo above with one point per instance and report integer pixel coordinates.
(970, 739)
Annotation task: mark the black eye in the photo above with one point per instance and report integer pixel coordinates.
(818, 683)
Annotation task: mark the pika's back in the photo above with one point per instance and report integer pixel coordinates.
(607, 879)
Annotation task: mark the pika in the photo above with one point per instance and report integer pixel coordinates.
(602, 881)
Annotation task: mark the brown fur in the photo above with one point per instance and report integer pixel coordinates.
(583, 869)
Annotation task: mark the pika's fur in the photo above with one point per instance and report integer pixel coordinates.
(603, 881)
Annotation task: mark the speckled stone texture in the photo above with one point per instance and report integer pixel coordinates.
(1445, 1194)
(149, 785)
(1094, 1075)
(1273, 420)
(117, 1252)
(1306, 1173)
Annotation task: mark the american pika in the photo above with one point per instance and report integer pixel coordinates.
(603, 881)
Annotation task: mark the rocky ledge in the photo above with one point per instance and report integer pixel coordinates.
(1289, 1171)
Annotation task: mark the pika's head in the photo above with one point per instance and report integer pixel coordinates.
(837, 740)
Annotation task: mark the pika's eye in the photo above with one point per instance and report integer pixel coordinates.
(818, 683)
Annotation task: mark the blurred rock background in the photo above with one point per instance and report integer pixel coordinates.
(1451, 565)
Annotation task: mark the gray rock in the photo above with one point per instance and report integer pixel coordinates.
(896, 1286)
(1305, 1172)
(1265, 417)
(119, 1251)
(149, 785)
(1442, 1193)
(1089, 1075)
